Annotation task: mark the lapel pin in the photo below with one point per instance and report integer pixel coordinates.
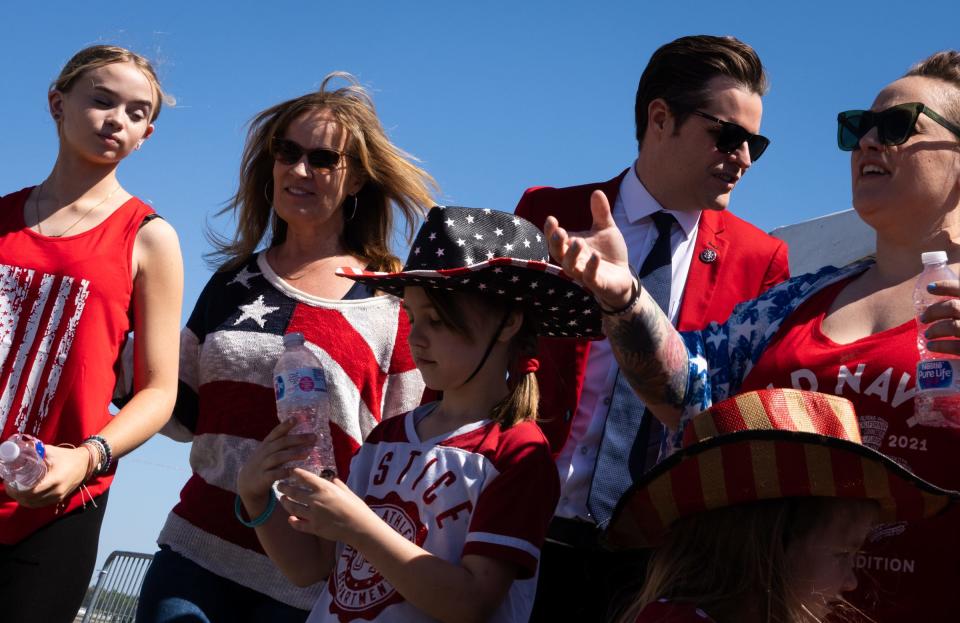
(708, 256)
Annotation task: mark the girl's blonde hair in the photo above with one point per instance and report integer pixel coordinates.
(390, 175)
(101, 55)
(729, 559)
(522, 402)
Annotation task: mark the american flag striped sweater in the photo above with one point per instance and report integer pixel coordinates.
(225, 404)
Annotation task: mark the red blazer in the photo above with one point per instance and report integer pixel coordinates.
(748, 261)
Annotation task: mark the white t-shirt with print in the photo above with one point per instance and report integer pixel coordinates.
(477, 490)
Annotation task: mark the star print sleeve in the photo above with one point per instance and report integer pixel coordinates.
(218, 300)
(722, 355)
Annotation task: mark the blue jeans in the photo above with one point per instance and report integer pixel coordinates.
(177, 590)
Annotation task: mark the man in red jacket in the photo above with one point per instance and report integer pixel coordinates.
(698, 112)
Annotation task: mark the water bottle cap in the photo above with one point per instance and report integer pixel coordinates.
(933, 257)
(9, 451)
(293, 339)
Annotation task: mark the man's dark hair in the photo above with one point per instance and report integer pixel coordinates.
(679, 72)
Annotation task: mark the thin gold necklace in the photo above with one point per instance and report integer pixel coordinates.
(36, 209)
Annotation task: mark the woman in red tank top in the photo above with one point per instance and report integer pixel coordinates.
(82, 263)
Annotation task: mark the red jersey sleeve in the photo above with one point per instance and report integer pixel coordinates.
(515, 507)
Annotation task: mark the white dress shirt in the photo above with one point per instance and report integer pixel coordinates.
(577, 460)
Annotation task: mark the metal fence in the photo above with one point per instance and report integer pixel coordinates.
(114, 598)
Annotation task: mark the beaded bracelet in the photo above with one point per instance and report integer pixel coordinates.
(103, 449)
(259, 520)
(99, 451)
(634, 297)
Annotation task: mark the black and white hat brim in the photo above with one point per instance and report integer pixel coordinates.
(562, 307)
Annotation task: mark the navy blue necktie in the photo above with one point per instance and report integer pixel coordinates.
(631, 435)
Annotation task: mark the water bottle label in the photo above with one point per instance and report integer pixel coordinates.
(300, 380)
(938, 375)
(41, 450)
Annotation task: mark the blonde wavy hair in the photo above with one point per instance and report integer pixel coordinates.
(101, 55)
(724, 560)
(391, 179)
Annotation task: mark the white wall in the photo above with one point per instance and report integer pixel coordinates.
(837, 239)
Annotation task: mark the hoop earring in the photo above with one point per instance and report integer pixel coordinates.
(354, 212)
(266, 195)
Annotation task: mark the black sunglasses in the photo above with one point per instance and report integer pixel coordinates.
(286, 151)
(732, 136)
(894, 125)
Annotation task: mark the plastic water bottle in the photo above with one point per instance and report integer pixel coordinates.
(21, 461)
(937, 402)
(301, 391)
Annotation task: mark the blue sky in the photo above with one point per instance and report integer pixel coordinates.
(493, 97)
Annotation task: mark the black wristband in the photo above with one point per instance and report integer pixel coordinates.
(634, 297)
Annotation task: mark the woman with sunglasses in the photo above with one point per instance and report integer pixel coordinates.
(320, 182)
(850, 331)
(82, 263)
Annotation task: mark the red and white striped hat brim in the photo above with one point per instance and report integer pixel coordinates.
(770, 444)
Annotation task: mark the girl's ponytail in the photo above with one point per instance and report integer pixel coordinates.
(522, 403)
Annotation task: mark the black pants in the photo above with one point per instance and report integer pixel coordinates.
(44, 577)
(586, 584)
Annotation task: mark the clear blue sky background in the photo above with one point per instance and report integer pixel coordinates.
(493, 97)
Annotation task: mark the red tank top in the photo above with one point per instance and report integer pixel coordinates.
(906, 571)
(65, 311)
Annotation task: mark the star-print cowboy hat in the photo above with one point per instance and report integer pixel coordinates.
(497, 254)
(769, 444)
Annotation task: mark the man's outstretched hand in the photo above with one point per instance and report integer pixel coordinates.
(597, 258)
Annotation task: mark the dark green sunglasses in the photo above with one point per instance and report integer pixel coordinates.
(894, 125)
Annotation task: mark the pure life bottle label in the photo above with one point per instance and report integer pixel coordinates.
(938, 376)
(302, 397)
(299, 380)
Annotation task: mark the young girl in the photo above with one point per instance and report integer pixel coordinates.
(445, 507)
(761, 516)
(82, 262)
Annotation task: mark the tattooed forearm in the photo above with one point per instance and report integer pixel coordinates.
(652, 357)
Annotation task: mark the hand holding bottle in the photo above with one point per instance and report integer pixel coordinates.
(943, 318)
(301, 392)
(268, 463)
(66, 469)
(327, 508)
(937, 402)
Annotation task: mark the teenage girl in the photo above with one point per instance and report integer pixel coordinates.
(82, 263)
(446, 507)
